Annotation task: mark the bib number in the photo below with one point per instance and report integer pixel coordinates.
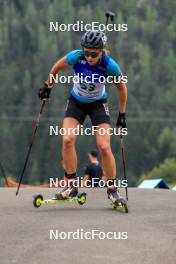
(88, 86)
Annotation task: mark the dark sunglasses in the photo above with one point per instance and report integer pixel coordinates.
(91, 54)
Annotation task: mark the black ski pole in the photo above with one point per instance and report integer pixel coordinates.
(124, 165)
(108, 15)
(32, 142)
(3, 174)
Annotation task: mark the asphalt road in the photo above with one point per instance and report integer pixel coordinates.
(150, 229)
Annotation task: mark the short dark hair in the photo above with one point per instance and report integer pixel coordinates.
(94, 153)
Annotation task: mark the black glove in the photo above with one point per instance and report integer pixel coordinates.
(121, 121)
(44, 92)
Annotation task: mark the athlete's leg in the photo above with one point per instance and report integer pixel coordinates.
(103, 143)
(69, 157)
(108, 162)
(68, 145)
(100, 118)
(74, 116)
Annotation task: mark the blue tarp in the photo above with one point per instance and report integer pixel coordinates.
(154, 183)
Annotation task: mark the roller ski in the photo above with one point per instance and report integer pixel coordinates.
(117, 200)
(68, 194)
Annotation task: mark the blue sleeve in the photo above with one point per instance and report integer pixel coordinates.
(112, 68)
(73, 56)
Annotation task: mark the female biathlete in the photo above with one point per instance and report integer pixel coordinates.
(89, 99)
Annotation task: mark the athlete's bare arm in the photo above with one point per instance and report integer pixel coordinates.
(58, 66)
(85, 179)
(122, 90)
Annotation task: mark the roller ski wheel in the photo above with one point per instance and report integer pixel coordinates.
(38, 200)
(121, 205)
(82, 198)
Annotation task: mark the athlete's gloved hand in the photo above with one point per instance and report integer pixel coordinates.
(121, 121)
(44, 92)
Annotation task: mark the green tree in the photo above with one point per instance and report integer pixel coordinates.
(166, 171)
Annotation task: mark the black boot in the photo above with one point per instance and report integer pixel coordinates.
(67, 192)
(114, 196)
